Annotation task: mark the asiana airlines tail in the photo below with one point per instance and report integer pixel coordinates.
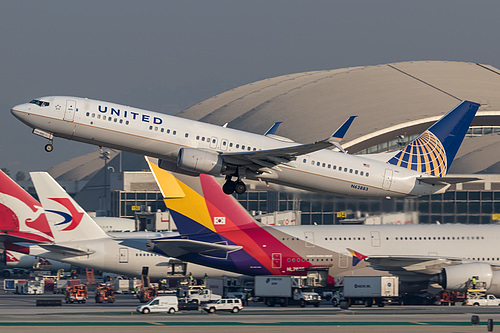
(193, 147)
(215, 230)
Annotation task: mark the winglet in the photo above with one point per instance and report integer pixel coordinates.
(273, 128)
(356, 257)
(342, 130)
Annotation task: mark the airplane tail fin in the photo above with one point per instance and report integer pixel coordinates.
(204, 214)
(202, 207)
(21, 216)
(69, 222)
(434, 150)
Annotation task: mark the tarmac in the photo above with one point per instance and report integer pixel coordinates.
(19, 313)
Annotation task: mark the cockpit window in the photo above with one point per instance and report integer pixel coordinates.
(39, 103)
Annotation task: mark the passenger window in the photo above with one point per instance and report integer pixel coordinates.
(174, 132)
(186, 135)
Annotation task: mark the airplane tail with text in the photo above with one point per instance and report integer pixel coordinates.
(434, 150)
(22, 218)
(215, 229)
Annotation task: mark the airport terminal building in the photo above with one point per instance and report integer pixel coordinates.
(394, 104)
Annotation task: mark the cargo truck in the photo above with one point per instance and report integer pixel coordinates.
(285, 290)
(367, 290)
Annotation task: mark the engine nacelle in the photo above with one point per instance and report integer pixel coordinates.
(455, 278)
(199, 161)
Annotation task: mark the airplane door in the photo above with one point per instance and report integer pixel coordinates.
(123, 255)
(276, 260)
(69, 114)
(213, 142)
(343, 262)
(375, 236)
(224, 144)
(387, 179)
(309, 238)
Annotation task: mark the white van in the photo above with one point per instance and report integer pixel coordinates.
(168, 304)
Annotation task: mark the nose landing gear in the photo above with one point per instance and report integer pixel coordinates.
(49, 147)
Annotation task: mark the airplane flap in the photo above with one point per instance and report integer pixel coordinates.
(180, 247)
(65, 250)
(413, 264)
(446, 180)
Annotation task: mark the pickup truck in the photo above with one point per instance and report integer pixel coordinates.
(489, 300)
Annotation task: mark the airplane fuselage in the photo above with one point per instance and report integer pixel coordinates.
(162, 136)
(127, 256)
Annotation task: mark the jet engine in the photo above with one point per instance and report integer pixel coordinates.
(455, 278)
(199, 161)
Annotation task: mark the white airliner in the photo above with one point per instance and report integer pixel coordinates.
(193, 147)
(448, 254)
(74, 238)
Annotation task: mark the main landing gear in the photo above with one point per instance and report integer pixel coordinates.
(231, 186)
(49, 147)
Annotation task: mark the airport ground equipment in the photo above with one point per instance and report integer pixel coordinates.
(104, 294)
(147, 293)
(446, 297)
(478, 297)
(169, 304)
(204, 296)
(31, 287)
(285, 290)
(77, 293)
(367, 290)
(234, 305)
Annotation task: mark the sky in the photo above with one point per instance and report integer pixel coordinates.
(168, 55)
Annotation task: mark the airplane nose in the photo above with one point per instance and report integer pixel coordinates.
(16, 110)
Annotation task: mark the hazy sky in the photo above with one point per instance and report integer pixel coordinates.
(168, 55)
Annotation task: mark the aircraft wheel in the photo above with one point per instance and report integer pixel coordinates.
(229, 187)
(49, 147)
(240, 187)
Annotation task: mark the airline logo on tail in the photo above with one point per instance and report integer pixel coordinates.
(356, 257)
(20, 214)
(71, 220)
(425, 154)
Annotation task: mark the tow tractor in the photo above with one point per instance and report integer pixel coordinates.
(105, 294)
(77, 293)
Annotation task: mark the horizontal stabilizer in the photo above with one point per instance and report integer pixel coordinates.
(8, 238)
(180, 247)
(65, 250)
(446, 180)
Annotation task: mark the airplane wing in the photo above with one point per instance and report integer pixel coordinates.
(409, 264)
(180, 247)
(270, 158)
(66, 250)
(446, 180)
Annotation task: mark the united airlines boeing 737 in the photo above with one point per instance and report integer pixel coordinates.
(215, 230)
(194, 147)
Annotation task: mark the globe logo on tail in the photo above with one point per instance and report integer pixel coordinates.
(425, 154)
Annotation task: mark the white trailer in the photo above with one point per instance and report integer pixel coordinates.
(367, 290)
(284, 290)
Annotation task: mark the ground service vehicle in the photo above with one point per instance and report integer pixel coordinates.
(168, 304)
(487, 300)
(204, 296)
(105, 294)
(284, 290)
(367, 290)
(446, 297)
(77, 293)
(224, 304)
